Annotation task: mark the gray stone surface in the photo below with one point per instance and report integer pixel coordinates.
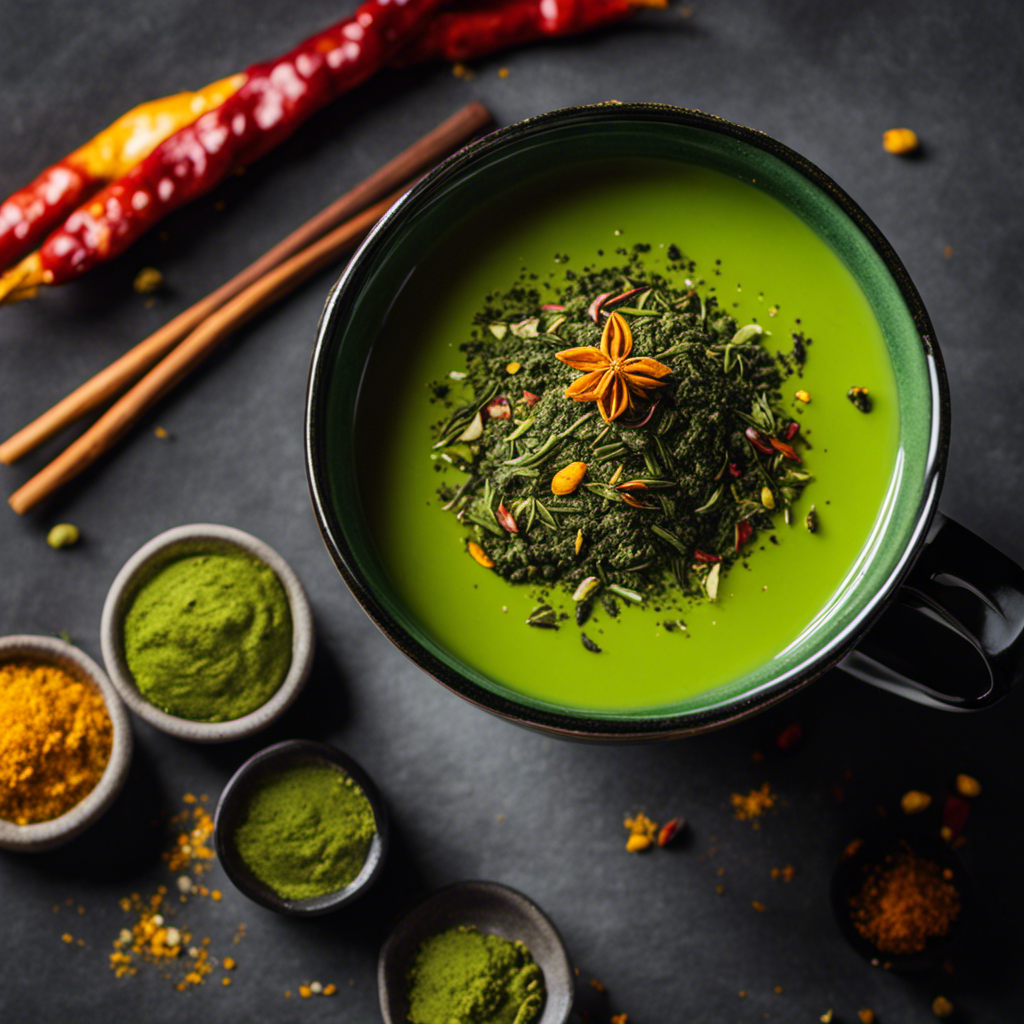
(472, 796)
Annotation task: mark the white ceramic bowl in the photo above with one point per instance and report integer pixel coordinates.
(186, 539)
(45, 835)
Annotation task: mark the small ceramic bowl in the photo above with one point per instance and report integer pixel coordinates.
(922, 837)
(493, 909)
(45, 835)
(232, 803)
(183, 540)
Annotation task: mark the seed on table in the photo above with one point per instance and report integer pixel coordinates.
(767, 498)
(900, 141)
(914, 801)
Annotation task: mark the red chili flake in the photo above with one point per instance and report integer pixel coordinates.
(954, 814)
(615, 300)
(786, 450)
(499, 409)
(703, 556)
(735, 470)
(632, 485)
(505, 518)
(758, 440)
(670, 830)
(553, 307)
(743, 532)
(791, 431)
(530, 397)
(594, 310)
(789, 738)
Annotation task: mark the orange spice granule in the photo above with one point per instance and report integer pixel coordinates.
(305, 991)
(786, 873)
(758, 906)
(596, 985)
(753, 804)
(643, 833)
(330, 989)
(904, 901)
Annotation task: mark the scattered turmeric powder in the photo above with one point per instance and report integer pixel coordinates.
(754, 803)
(55, 742)
(642, 832)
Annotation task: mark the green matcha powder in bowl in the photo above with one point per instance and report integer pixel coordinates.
(301, 828)
(207, 633)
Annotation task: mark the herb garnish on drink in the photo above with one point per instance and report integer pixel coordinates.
(625, 443)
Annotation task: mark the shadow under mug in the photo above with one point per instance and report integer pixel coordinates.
(933, 612)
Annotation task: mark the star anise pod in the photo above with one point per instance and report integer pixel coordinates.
(616, 382)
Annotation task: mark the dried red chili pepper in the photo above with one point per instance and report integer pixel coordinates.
(504, 517)
(785, 449)
(734, 470)
(275, 99)
(758, 440)
(791, 431)
(470, 32)
(743, 533)
(703, 556)
(530, 397)
(616, 300)
(552, 307)
(28, 215)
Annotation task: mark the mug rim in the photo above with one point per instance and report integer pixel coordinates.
(579, 725)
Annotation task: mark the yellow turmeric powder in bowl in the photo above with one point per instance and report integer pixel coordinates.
(55, 742)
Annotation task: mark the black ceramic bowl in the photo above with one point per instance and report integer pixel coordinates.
(922, 837)
(493, 909)
(232, 803)
(938, 575)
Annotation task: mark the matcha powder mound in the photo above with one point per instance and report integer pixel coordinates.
(209, 637)
(306, 831)
(462, 975)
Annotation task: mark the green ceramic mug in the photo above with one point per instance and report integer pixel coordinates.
(929, 606)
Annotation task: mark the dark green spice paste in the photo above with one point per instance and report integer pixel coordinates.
(673, 490)
(462, 976)
(209, 637)
(306, 831)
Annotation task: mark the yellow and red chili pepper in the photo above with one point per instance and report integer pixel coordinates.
(164, 154)
(28, 215)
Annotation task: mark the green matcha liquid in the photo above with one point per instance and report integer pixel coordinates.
(770, 260)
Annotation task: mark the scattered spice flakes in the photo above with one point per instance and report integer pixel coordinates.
(620, 1018)
(147, 280)
(901, 141)
(803, 396)
(967, 785)
(866, 1016)
(151, 938)
(642, 832)
(596, 985)
(463, 72)
(503, 72)
(161, 433)
(785, 873)
(826, 1017)
(758, 906)
(753, 804)
(942, 1007)
(914, 801)
(790, 737)
(948, 252)
(860, 398)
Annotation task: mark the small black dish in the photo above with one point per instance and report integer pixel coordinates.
(922, 837)
(232, 801)
(492, 909)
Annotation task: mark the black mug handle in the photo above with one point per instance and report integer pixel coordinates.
(958, 619)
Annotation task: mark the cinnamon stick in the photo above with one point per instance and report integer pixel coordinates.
(175, 366)
(445, 138)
